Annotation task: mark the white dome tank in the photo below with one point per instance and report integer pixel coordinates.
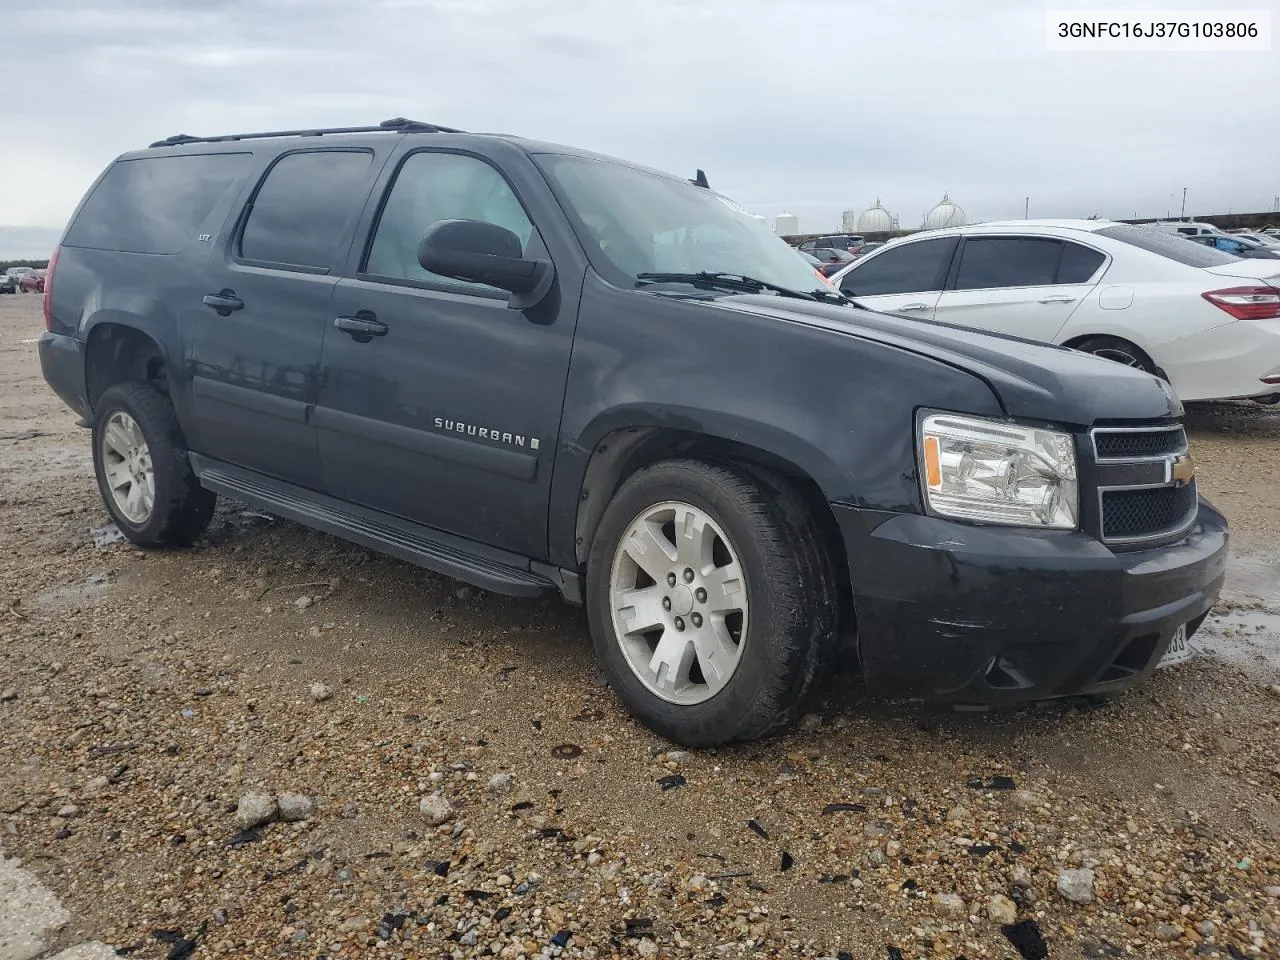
(786, 225)
(876, 219)
(945, 214)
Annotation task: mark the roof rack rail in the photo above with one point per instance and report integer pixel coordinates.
(395, 125)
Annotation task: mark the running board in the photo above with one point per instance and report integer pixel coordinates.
(423, 546)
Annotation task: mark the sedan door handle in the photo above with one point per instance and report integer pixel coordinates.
(363, 327)
(1058, 299)
(915, 306)
(225, 302)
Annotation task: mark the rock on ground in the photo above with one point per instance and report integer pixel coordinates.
(1002, 910)
(435, 809)
(1076, 885)
(27, 910)
(500, 784)
(320, 693)
(295, 806)
(255, 809)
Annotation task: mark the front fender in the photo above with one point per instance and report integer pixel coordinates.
(836, 407)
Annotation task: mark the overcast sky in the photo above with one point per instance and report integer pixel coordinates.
(813, 106)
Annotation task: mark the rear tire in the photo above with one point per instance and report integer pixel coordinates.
(1118, 351)
(758, 539)
(144, 473)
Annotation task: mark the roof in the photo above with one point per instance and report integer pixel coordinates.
(396, 127)
(1089, 226)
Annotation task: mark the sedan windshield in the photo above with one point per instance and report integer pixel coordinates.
(633, 222)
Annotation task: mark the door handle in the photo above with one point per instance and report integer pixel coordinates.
(363, 327)
(915, 306)
(1058, 299)
(225, 302)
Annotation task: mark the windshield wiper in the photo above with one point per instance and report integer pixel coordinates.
(725, 281)
(738, 281)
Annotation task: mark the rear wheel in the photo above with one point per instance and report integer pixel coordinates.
(711, 603)
(144, 474)
(1119, 351)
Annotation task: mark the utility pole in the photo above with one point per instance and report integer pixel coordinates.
(1183, 216)
(1026, 209)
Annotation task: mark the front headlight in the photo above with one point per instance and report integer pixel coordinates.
(994, 472)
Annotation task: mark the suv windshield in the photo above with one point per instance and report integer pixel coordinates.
(634, 222)
(1172, 245)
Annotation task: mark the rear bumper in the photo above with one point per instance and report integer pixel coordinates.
(1228, 362)
(985, 615)
(62, 362)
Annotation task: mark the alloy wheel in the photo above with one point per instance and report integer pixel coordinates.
(679, 603)
(126, 462)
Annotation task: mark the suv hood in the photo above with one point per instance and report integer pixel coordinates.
(1032, 380)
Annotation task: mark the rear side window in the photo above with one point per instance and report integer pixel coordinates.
(987, 262)
(304, 206)
(1171, 245)
(156, 204)
(1079, 263)
(911, 268)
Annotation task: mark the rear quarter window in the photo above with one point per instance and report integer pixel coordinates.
(1172, 245)
(156, 205)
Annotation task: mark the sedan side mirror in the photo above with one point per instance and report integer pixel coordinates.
(477, 252)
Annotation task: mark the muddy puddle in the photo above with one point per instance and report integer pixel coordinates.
(1245, 627)
(74, 596)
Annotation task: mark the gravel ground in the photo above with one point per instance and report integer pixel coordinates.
(477, 790)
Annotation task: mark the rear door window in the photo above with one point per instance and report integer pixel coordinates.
(993, 262)
(1079, 263)
(911, 268)
(156, 205)
(304, 206)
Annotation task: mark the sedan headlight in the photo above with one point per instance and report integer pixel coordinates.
(994, 472)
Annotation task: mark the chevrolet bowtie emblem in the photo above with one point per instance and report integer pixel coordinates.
(1182, 469)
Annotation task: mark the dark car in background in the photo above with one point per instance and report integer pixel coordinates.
(862, 249)
(832, 241)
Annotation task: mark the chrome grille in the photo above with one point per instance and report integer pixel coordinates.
(1138, 443)
(1139, 496)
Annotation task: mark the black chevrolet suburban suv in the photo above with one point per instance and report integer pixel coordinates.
(537, 369)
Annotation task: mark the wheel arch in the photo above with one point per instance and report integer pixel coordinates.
(618, 444)
(117, 349)
(619, 451)
(1076, 340)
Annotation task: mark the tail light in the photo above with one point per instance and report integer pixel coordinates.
(1245, 303)
(48, 289)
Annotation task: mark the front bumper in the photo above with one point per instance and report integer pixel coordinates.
(990, 615)
(62, 362)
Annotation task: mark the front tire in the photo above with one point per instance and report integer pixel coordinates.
(144, 473)
(711, 601)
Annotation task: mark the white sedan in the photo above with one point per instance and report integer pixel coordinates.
(1206, 321)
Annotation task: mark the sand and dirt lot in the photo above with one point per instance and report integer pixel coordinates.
(144, 695)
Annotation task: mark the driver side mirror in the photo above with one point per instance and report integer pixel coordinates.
(477, 252)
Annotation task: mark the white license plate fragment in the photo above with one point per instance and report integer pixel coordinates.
(1180, 650)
